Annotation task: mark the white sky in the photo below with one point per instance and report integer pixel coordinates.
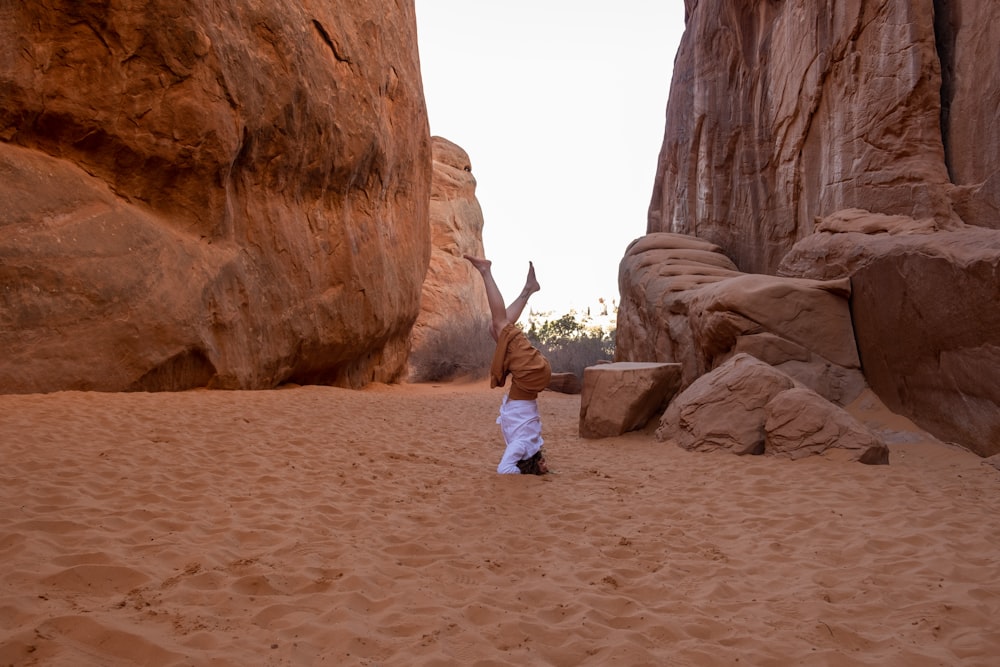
(561, 107)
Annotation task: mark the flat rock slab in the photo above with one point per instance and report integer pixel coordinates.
(624, 396)
(565, 383)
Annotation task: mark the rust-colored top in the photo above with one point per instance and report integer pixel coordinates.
(529, 369)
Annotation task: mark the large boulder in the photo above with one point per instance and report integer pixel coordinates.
(453, 303)
(879, 122)
(208, 193)
(622, 397)
(724, 409)
(925, 313)
(799, 422)
(746, 406)
(683, 301)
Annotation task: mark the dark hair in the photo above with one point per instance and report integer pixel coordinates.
(531, 466)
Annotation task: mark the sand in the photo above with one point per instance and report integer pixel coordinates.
(321, 526)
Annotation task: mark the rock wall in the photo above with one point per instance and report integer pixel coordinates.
(924, 307)
(968, 32)
(453, 298)
(782, 112)
(209, 193)
(849, 140)
(683, 301)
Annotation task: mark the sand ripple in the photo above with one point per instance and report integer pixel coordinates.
(321, 526)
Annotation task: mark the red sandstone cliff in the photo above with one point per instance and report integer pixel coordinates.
(781, 112)
(453, 299)
(831, 140)
(209, 193)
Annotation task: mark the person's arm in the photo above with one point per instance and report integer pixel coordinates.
(508, 464)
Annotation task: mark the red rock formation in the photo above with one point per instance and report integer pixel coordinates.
(781, 112)
(925, 314)
(748, 407)
(968, 32)
(860, 140)
(209, 193)
(565, 383)
(799, 423)
(453, 299)
(684, 301)
(622, 397)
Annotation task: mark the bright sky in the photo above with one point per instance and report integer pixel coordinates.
(561, 107)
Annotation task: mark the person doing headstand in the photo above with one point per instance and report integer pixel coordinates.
(529, 371)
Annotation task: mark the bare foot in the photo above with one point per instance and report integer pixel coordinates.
(482, 265)
(531, 284)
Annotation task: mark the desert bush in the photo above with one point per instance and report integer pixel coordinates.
(460, 350)
(465, 350)
(570, 345)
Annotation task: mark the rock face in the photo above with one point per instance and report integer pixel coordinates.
(684, 301)
(782, 112)
(453, 299)
(967, 34)
(799, 423)
(848, 141)
(623, 397)
(733, 396)
(209, 193)
(748, 407)
(925, 311)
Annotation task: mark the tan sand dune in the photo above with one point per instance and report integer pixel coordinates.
(320, 526)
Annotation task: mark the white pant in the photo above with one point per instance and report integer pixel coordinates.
(522, 431)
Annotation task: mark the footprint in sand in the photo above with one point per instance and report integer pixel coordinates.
(99, 580)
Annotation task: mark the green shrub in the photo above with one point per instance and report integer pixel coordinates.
(465, 350)
(569, 344)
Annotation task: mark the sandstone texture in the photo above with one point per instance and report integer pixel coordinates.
(220, 194)
(453, 301)
(968, 32)
(684, 301)
(799, 422)
(782, 112)
(624, 396)
(747, 406)
(926, 317)
(846, 143)
(565, 383)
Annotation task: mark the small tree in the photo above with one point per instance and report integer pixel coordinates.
(465, 349)
(569, 344)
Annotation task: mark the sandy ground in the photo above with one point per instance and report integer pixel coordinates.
(319, 526)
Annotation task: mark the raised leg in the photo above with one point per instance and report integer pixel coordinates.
(516, 307)
(503, 315)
